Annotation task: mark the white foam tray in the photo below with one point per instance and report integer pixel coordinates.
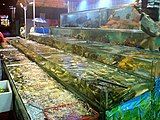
(6, 97)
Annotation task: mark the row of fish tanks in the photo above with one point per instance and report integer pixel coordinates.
(53, 81)
(123, 81)
(84, 73)
(98, 18)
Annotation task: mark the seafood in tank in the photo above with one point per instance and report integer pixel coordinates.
(39, 91)
(90, 72)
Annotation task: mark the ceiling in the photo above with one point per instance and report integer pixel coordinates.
(7, 3)
(45, 3)
(5, 6)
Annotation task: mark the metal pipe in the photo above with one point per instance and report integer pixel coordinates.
(34, 13)
(25, 20)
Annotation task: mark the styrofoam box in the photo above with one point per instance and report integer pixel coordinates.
(6, 97)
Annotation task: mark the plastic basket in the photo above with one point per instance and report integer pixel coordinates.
(72, 115)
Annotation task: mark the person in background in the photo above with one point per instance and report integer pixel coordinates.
(149, 22)
(3, 41)
(22, 31)
(33, 29)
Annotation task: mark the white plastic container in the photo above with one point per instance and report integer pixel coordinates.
(5, 97)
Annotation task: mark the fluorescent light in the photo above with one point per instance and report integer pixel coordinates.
(83, 5)
(21, 5)
(31, 3)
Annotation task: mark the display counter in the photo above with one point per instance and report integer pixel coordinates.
(128, 59)
(139, 101)
(38, 96)
(89, 19)
(125, 37)
(119, 26)
(98, 83)
(114, 36)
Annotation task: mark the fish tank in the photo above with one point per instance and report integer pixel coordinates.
(98, 83)
(39, 96)
(124, 17)
(89, 19)
(129, 59)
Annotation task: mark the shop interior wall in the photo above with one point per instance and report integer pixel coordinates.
(82, 5)
(51, 15)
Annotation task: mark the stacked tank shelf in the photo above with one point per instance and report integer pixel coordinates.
(129, 59)
(98, 83)
(38, 96)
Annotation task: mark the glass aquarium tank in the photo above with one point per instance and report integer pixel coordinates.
(88, 19)
(129, 59)
(40, 96)
(99, 83)
(124, 17)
